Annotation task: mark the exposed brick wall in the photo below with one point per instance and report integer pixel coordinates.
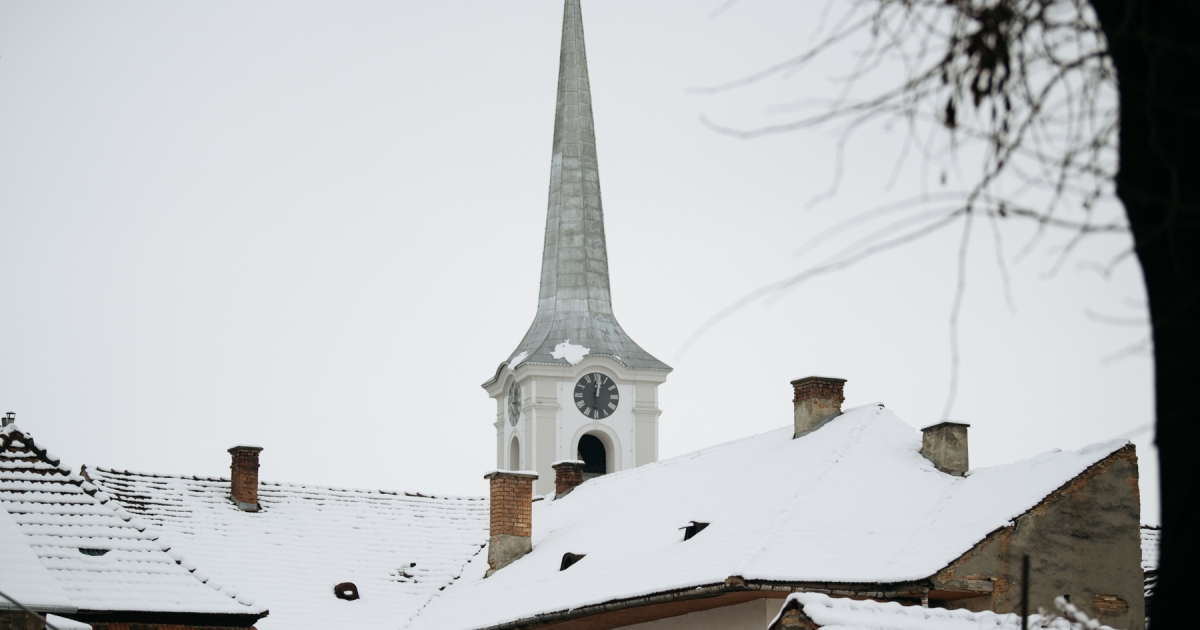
(567, 475)
(821, 387)
(244, 474)
(511, 504)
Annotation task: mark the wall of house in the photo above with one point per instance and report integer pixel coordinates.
(751, 615)
(1083, 541)
(18, 620)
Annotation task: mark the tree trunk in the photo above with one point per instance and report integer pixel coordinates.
(1154, 47)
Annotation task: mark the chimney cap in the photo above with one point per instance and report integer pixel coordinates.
(238, 449)
(512, 473)
(945, 423)
(567, 462)
(829, 379)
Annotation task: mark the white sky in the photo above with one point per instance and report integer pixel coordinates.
(317, 227)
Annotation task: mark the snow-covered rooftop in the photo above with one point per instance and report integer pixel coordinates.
(832, 613)
(398, 549)
(1150, 536)
(24, 578)
(851, 502)
(101, 557)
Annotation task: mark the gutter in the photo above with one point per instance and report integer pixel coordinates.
(732, 584)
(53, 610)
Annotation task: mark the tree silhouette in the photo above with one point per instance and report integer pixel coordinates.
(1087, 115)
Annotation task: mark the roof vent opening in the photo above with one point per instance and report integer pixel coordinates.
(346, 590)
(570, 559)
(93, 552)
(693, 528)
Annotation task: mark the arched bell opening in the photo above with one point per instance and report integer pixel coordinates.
(594, 455)
(514, 454)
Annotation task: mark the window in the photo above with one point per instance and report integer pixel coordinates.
(593, 454)
(514, 454)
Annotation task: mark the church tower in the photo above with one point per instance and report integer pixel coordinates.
(577, 387)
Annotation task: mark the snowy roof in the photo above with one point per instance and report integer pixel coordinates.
(100, 556)
(851, 502)
(62, 623)
(398, 549)
(1150, 537)
(24, 578)
(833, 613)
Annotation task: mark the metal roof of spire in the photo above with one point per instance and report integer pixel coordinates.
(574, 303)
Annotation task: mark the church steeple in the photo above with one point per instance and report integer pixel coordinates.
(574, 302)
(600, 406)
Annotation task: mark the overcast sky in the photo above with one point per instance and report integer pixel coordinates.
(317, 226)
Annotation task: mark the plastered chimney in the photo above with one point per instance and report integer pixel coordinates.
(243, 477)
(816, 399)
(567, 474)
(945, 444)
(511, 519)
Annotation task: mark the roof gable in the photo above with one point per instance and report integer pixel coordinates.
(100, 556)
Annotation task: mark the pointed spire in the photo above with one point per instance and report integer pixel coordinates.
(574, 302)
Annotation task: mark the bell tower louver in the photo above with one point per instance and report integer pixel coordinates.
(576, 376)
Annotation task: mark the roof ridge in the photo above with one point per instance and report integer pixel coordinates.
(396, 493)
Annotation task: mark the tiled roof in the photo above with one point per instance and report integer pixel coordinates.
(1150, 537)
(398, 549)
(852, 502)
(24, 579)
(102, 558)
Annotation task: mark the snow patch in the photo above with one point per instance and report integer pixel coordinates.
(570, 352)
(849, 614)
(518, 360)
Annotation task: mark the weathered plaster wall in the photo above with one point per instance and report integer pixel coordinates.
(1083, 541)
(751, 615)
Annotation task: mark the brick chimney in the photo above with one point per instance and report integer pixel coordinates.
(567, 474)
(243, 486)
(945, 444)
(816, 400)
(511, 522)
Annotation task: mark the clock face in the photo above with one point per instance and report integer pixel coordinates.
(596, 396)
(514, 403)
